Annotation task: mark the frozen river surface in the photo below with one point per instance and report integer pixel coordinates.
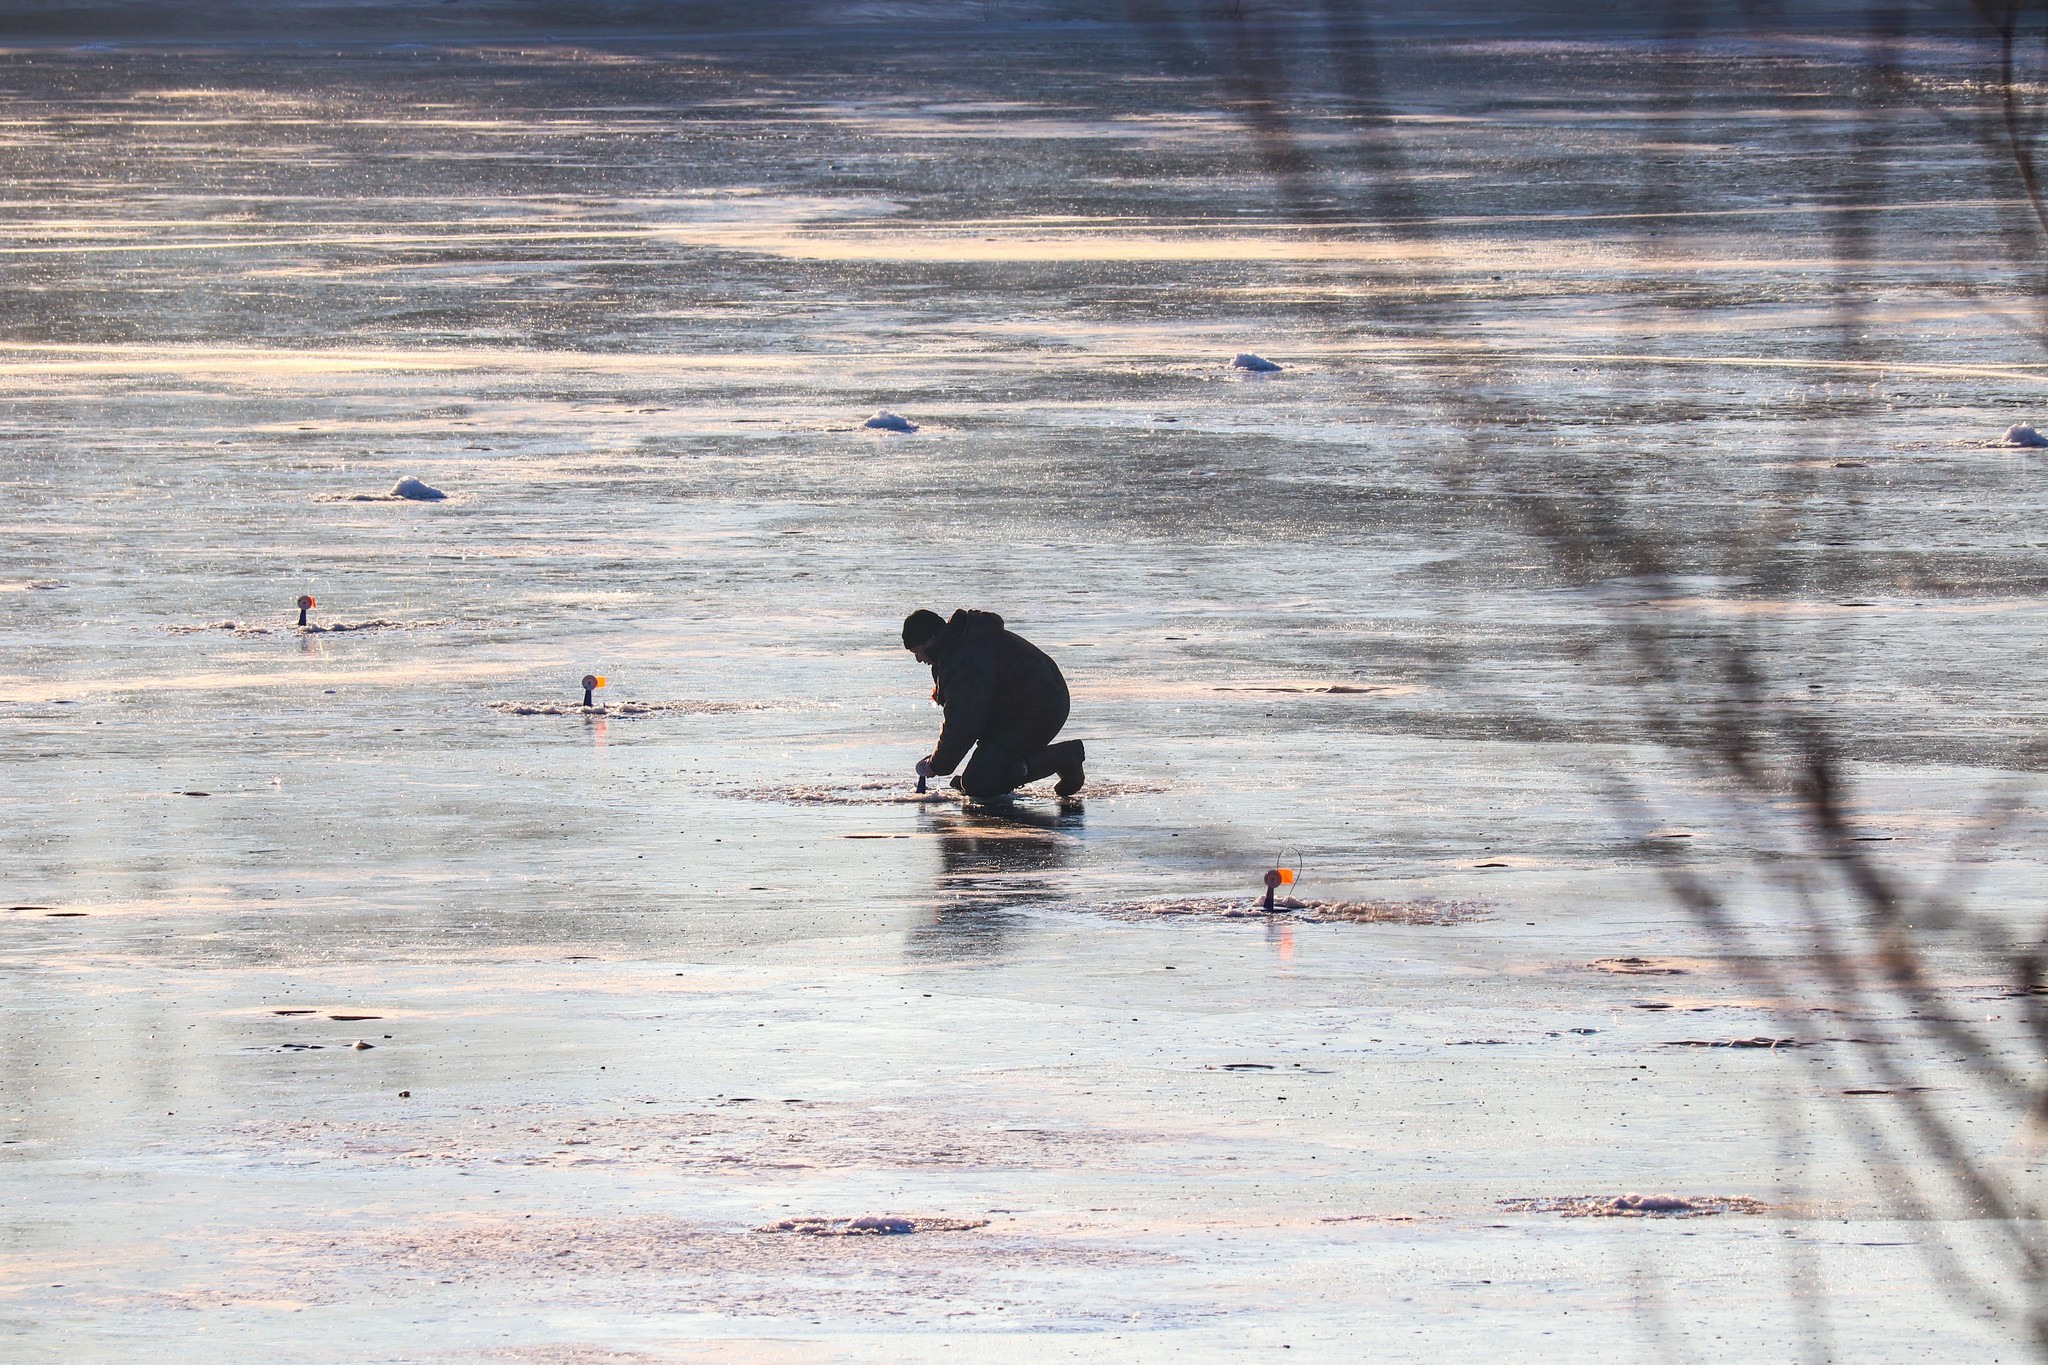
(639, 985)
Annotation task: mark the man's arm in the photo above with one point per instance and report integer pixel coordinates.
(970, 693)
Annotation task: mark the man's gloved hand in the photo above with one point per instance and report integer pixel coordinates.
(924, 767)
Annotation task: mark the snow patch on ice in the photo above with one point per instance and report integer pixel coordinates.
(885, 420)
(873, 1225)
(627, 708)
(344, 627)
(1424, 911)
(899, 791)
(230, 627)
(893, 791)
(1329, 689)
(1637, 1205)
(241, 631)
(407, 489)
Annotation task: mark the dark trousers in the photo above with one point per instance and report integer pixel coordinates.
(1010, 755)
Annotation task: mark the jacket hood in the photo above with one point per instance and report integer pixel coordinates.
(969, 625)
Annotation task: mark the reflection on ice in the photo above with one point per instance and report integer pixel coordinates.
(992, 860)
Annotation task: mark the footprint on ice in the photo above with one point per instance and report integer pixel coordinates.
(1257, 364)
(886, 420)
(2024, 435)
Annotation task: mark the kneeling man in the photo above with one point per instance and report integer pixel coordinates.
(1004, 698)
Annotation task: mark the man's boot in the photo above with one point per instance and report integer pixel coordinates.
(1072, 774)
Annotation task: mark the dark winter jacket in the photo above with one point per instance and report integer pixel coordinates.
(991, 681)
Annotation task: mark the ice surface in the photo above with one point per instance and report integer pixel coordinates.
(622, 296)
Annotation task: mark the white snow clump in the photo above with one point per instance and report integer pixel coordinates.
(2024, 435)
(416, 490)
(1257, 363)
(886, 420)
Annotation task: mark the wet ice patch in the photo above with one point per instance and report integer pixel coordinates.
(886, 420)
(737, 1136)
(872, 1225)
(1108, 788)
(2023, 434)
(1424, 911)
(1637, 1205)
(1257, 364)
(646, 1263)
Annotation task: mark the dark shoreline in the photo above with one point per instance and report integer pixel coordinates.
(458, 22)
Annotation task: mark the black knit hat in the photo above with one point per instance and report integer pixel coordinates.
(920, 626)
